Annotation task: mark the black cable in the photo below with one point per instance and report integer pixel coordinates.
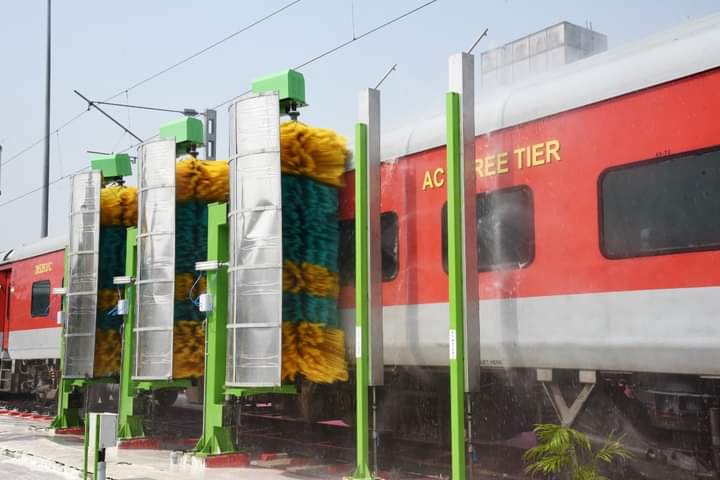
(342, 45)
(157, 74)
(209, 47)
(20, 197)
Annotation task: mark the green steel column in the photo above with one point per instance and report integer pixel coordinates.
(66, 417)
(456, 290)
(361, 301)
(129, 425)
(216, 437)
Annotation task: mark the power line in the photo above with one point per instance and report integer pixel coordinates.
(343, 45)
(157, 74)
(28, 193)
(209, 47)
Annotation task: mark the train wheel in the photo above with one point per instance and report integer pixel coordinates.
(165, 398)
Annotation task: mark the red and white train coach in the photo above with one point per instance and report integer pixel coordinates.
(598, 245)
(598, 240)
(30, 336)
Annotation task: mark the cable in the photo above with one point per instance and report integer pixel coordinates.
(37, 142)
(20, 197)
(322, 55)
(342, 45)
(157, 74)
(211, 46)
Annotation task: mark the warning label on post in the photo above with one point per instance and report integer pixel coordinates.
(453, 344)
(358, 342)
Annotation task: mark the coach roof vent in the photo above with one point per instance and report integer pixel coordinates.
(685, 50)
(538, 53)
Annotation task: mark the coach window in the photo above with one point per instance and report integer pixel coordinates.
(389, 240)
(505, 229)
(40, 302)
(661, 206)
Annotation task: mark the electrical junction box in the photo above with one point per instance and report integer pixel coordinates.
(103, 427)
(206, 302)
(113, 166)
(122, 307)
(289, 84)
(186, 130)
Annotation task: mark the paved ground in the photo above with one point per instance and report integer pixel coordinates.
(29, 451)
(20, 469)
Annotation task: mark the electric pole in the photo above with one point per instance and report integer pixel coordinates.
(46, 163)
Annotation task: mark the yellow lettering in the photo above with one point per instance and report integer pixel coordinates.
(519, 156)
(427, 181)
(43, 268)
(439, 177)
(502, 163)
(552, 148)
(490, 166)
(538, 150)
(479, 167)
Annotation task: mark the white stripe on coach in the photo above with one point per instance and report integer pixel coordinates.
(671, 331)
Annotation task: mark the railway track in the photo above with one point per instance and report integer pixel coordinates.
(310, 450)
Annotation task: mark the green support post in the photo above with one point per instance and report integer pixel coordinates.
(362, 470)
(129, 425)
(216, 437)
(456, 290)
(86, 446)
(66, 417)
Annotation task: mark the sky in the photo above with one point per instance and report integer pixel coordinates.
(103, 48)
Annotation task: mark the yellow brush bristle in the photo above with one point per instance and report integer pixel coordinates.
(188, 349)
(107, 298)
(204, 180)
(118, 206)
(184, 282)
(314, 351)
(313, 279)
(317, 153)
(320, 281)
(107, 352)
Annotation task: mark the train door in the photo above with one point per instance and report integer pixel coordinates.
(4, 308)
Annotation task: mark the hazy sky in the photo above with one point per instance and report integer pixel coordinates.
(103, 47)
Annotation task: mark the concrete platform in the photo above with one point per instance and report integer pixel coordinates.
(28, 441)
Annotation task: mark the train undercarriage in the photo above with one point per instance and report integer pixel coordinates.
(37, 377)
(670, 423)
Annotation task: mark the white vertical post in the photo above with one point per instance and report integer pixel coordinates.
(462, 81)
(369, 114)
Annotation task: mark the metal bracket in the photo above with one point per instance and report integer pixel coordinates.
(567, 414)
(209, 265)
(123, 280)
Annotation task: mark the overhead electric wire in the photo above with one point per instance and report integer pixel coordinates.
(302, 65)
(209, 47)
(342, 45)
(157, 74)
(52, 182)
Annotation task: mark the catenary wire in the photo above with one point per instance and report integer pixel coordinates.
(156, 75)
(341, 46)
(302, 65)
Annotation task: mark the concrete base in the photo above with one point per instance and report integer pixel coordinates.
(26, 439)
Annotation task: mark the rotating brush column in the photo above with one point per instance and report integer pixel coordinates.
(118, 210)
(313, 162)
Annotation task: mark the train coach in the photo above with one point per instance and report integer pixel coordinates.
(598, 190)
(30, 335)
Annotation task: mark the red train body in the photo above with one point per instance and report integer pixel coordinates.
(572, 278)
(28, 315)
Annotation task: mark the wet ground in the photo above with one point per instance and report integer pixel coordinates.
(18, 469)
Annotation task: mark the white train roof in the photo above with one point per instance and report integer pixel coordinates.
(687, 49)
(45, 245)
